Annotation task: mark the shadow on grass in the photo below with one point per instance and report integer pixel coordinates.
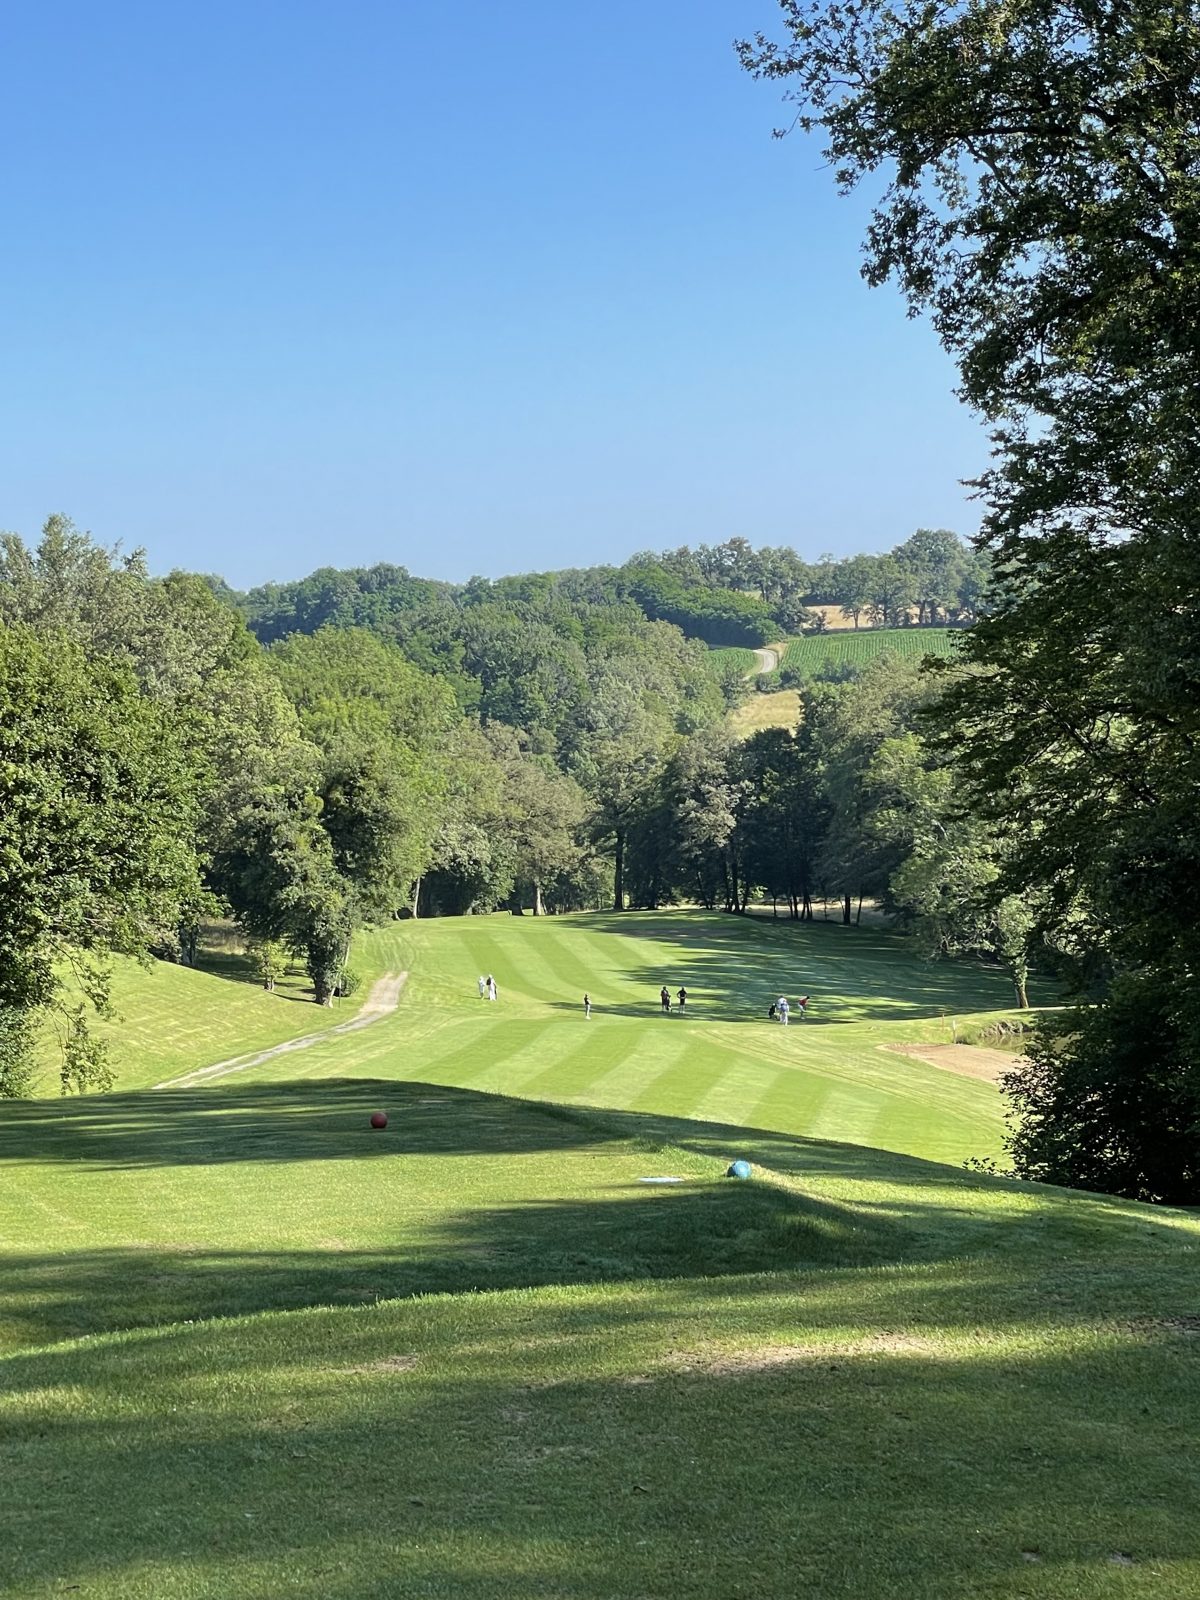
(708, 1231)
(883, 1209)
(401, 1454)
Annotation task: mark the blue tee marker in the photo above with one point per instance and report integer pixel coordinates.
(738, 1169)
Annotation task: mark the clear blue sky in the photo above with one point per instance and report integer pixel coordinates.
(471, 287)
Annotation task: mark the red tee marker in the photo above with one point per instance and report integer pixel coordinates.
(379, 1119)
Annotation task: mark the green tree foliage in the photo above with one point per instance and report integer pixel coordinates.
(625, 732)
(788, 816)
(946, 883)
(705, 790)
(381, 727)
(96, 831)
(510, 829)
(849, 721)
(1043, 206)
(544, 815)
(937, 564)
(718, 616)
(276, 868)
(892, 590)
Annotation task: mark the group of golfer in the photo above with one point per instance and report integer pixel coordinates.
(779, 1009)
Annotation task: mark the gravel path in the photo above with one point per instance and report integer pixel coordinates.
(767, 660)
(383, 998)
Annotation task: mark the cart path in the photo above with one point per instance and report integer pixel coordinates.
(767, 659)
(383, 999)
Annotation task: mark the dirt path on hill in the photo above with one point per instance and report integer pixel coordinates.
(766, 659)
(383, 999)
(968, 1060)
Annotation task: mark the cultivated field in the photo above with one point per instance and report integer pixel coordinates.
(255, 1348)
(809, 655)
(743, 659)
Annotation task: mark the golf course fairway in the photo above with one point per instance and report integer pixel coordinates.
(251, 1346)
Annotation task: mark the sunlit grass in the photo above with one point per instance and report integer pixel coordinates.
(779, 709)
(251, 1347)
(170, 1018)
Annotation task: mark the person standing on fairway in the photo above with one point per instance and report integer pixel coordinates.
(587, 1005)
(782, 1007)
(682, 999)
(482, 986)
(491, 987)
(803, 1004)
(664, 998)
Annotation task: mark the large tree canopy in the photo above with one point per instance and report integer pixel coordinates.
(96, 828)
(1041, 203)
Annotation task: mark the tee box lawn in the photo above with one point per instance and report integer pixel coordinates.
(254, 1347)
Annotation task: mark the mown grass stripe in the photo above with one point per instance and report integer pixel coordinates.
(644, 1062)
(592, 1057)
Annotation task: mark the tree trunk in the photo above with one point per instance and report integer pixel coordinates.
(858, 915)
(416, 897)
(619, 871)
(1018, 983)
(846, 909)
(537, 899)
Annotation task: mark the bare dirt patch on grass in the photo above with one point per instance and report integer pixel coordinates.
(968, 1060)
(403, 1363)
(710, 1363)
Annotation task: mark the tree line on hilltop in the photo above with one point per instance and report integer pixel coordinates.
(724, 594)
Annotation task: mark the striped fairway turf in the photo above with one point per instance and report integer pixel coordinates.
(827, 1078)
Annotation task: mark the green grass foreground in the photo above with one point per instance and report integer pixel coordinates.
(252, 1348)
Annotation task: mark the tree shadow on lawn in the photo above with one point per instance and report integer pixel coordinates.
(630, 1234)
(733, 967)
(368, 1458)
(328, 1119)
(617, 1230)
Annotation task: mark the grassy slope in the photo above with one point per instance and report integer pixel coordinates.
(779, 709)
(171, 1018)
(861, 1376)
